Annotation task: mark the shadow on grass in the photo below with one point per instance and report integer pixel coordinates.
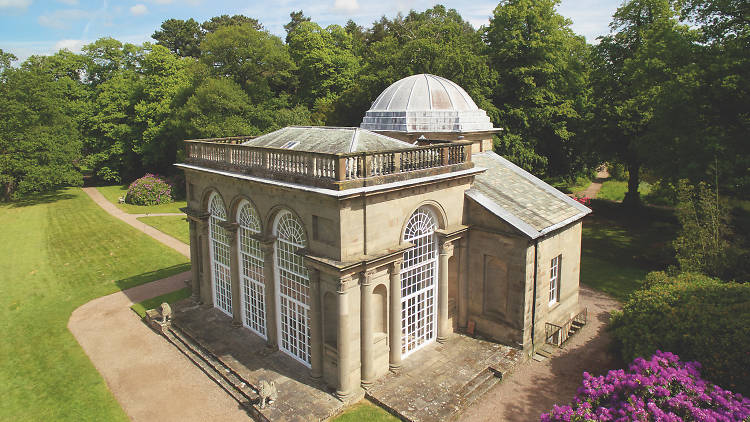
(127, 283)
(42, 198)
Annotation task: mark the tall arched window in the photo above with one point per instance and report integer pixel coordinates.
(220, 262)
(251, 270)
(293, 288)
(419, 283)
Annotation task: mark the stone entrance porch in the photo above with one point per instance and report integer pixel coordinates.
(439, 381)
(433, 384)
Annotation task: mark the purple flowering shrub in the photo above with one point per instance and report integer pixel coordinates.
(659, 389)
(149, 190)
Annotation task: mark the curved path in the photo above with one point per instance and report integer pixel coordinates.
(593, 189)
(149, 377)
(132, 219)
(534, 387)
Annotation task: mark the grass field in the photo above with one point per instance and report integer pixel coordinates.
(113, 194)
(173, 225)
(614, 190)
(57, 252)
(619, 247)
(365, 411)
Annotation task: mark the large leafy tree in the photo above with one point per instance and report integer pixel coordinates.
(542, 86)
(326, 64)
(642, 74)
(39, 141)
(182, 37)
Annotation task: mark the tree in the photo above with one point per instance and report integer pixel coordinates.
(296, 17)
(182, 37)
(256, 60)
(108, 56)
(6, 59)
(39, 142)
(542, 86)
(637, 72)
(213, 24)
(326, 64)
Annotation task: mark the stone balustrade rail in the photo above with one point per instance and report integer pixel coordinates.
(335, 171)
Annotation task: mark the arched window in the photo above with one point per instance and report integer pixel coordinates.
(251, 270)
(220, 262)
(292, 288)
(419, 282)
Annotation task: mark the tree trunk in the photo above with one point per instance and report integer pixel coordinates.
(632, 197)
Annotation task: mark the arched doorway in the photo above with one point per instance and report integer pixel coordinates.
(251, 269)
(221, 279)
(292, 288)
(419, 282)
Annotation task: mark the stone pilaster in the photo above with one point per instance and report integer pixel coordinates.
(269, 277)
(316, 329)
(394, 330)
(446, 250)
(206, 290)
(234, 271)
(343, 340)
(463, 283)
(198, 223)
(367, 319)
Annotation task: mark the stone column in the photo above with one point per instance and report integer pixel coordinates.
(234, 272)
(343, 340)
(316, 330)
(446, 250)
(463, 283)
(269, 280)
(195, 263)
(394, 331)
(206, 290)
(367, 329)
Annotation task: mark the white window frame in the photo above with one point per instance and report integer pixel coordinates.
(419, 274)
(289, 239)
(219, 242)
(251, 270)
(554, 280)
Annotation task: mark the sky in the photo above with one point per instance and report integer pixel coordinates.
(44, 26)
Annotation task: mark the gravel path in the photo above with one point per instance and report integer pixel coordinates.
(535, 386)
(596, 185)
(149, 377)
(132, 219)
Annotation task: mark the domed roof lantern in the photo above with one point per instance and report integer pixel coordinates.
(430, 106)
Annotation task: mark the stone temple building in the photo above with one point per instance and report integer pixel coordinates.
(350, 249)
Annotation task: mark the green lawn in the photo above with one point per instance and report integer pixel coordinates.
(173, 225)
(57, 252)
(113, 194)
(619, 248)
(570, 186)
(365, 411)
(614, 190)
(140, 308)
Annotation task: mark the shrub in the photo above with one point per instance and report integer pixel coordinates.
(149, 190)
(659, 389)
(695, 316)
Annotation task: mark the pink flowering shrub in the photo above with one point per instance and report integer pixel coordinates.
(659, 389)
(149, 190)
(585, 200)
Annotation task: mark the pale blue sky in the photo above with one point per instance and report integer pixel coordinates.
(44, 26)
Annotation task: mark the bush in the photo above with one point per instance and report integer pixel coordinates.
(617, 171)
(695, 316)
(149, 190)
(659, 389)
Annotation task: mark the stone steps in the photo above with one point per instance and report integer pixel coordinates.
(478, 386)
(238, 388)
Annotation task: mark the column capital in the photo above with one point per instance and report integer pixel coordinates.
(446, 247)
(266, 243)
(367, 277)
(231, 229)
(195, 215)
(345, 283)
(395, 266)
